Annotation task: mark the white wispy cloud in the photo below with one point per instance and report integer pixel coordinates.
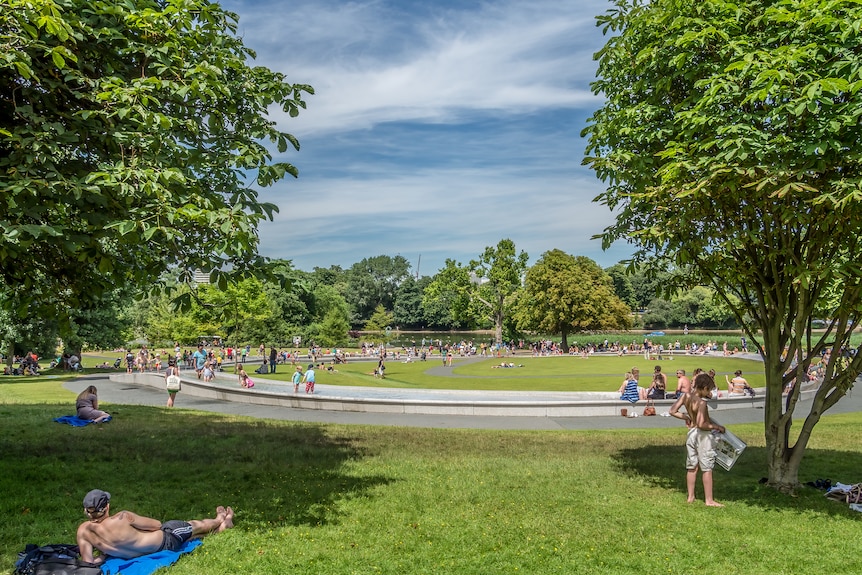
(436, 128)
(370, 63)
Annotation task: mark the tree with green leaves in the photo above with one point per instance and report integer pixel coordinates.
(729, 142)
(165, 324)
(100, 325)
(374, 281)
(499, 273)
(240, 312)
(132, 139)
(33, 332)
(623, 284)
(695, 307)
(566, 294)
(407, 312)
(333, 329)
(446, 298)
(379, 320)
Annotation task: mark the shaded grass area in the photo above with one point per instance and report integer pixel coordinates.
(566, 373)
(331, 499)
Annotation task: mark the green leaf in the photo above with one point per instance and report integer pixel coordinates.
(105, 265)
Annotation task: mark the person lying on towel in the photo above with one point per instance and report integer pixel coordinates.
(128, 535)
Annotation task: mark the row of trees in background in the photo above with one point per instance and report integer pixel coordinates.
(560, 294)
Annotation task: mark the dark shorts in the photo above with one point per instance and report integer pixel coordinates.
(175, 534)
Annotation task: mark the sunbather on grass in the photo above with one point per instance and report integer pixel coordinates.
(128, 535)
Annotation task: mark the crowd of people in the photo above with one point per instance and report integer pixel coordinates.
(632, 391)
(27, 365)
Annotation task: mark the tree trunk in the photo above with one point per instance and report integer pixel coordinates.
(565, 341)
(783, 469)
(783, 458)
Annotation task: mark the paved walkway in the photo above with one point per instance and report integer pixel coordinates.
(120, 393)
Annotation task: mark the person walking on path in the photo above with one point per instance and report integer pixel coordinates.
(174, 371)
(200, 359)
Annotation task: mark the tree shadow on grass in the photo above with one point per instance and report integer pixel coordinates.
(173, 465)
(664, 466)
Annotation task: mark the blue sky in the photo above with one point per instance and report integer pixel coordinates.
(437, 128)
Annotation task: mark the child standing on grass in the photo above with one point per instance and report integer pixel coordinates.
(700, 441)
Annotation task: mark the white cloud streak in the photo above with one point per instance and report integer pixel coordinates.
(369, 64)
(436, 129)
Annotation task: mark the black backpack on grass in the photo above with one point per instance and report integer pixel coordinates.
(58, 559)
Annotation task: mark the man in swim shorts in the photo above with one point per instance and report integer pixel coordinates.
(128, 535)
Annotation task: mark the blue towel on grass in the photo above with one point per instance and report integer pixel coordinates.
(147, 564)
(73, 420)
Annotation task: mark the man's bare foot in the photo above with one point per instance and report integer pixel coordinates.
(713, 504)
(227, 522)
(221, 512)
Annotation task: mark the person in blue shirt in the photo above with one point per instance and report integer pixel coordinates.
(200, 357)
(629, 391)
(308, 378)
(297, 378)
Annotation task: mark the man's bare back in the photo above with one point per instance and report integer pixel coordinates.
(124, 535)
(683, 384)
(127, 535)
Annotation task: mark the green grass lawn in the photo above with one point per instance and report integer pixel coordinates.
(561, 373)
(330, 499)
(598, 373)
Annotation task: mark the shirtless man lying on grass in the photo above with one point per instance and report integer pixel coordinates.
(128, 535)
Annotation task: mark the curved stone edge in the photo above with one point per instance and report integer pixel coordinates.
(528, 407)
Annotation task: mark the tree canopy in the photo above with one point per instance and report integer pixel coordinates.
(729, 142)
(566, 294)
(499, 270)
(132, 139)
(374, 282)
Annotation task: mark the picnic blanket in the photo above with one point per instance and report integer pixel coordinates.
(76, 421)
(147, 564)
